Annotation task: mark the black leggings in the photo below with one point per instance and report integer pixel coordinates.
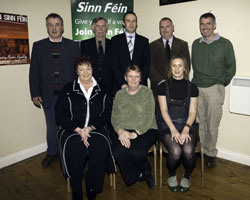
(133, 161)
(178, 153)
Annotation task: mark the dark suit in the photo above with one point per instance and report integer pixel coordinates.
(41, 80)
(41, 68)
(160, 64)
(101, 73)
(121, 58)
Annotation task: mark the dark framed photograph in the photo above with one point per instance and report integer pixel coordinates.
(167, 2)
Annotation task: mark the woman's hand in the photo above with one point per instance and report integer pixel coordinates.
(123, 134)
(85, 134)
(175, 135)
(185, 137)
(124, 137)
(125, 142)
(132, 135)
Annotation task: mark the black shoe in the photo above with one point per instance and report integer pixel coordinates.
(90, 194)
(48, 160)
(209, 161)
(148, 177)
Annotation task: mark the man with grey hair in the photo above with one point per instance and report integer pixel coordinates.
(162, 50)
(99, 49)
(51, 66)
(214, 66)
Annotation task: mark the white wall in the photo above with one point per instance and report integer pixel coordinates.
(232, 23)
(22, 126)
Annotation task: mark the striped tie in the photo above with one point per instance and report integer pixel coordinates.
(130, 47)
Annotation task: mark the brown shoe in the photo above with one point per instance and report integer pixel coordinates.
(209, 161)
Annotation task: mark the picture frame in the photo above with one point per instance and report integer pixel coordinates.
(167, 2)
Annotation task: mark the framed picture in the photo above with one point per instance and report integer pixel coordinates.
(166, 2)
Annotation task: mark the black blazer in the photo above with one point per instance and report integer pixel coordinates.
(71, 112)
(160, 64)
(41, 70)
(121, 58)
(101, 73)
(71, 107)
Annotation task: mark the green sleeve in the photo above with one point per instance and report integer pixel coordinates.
(230, 63)
(116, 114)
(148, 116)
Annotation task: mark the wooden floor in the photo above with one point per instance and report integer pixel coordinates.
(27, 180)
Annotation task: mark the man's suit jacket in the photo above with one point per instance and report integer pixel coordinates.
(41, 68)
(101, 73)
(160, 64)
(121, 58)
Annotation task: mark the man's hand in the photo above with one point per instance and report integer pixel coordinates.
(37, 101)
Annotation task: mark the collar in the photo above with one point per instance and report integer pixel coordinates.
(216, 37)
(92, 79)
(170, 41)
(127, 34)
(103, 40)
(50, 39)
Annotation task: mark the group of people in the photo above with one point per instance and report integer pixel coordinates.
(98, 108)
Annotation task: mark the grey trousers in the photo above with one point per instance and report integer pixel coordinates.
(210, 103)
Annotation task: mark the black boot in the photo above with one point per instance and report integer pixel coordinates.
(90, 194)
(76, 196)
(148, 177)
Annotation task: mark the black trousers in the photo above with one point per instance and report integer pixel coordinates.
(76, 156)
(133, 161)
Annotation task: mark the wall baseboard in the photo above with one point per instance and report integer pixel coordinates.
(27, 153)
(22, 155)
(233, 156)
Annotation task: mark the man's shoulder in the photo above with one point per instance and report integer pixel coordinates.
(140, 37)
(88, 41)
(68, 41)
(156, 42)
(42, 41)
(223, 39)
(196, 41)
(117, 37)
(178, 40)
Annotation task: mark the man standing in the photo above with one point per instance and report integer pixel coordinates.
(99, 49)
(162, 50)
(129, 48)
(214, 66)
(51, 67)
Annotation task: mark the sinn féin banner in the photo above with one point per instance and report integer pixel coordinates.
(14, 40)
(83, 12)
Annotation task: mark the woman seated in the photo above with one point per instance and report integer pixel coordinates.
(82, 112)
(133, 119)
(177, 128)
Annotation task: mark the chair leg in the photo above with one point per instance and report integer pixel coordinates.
(111, 180)
(114, 181)
(202, 167)
(68, 184)
(160, 166)
(155, 165)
